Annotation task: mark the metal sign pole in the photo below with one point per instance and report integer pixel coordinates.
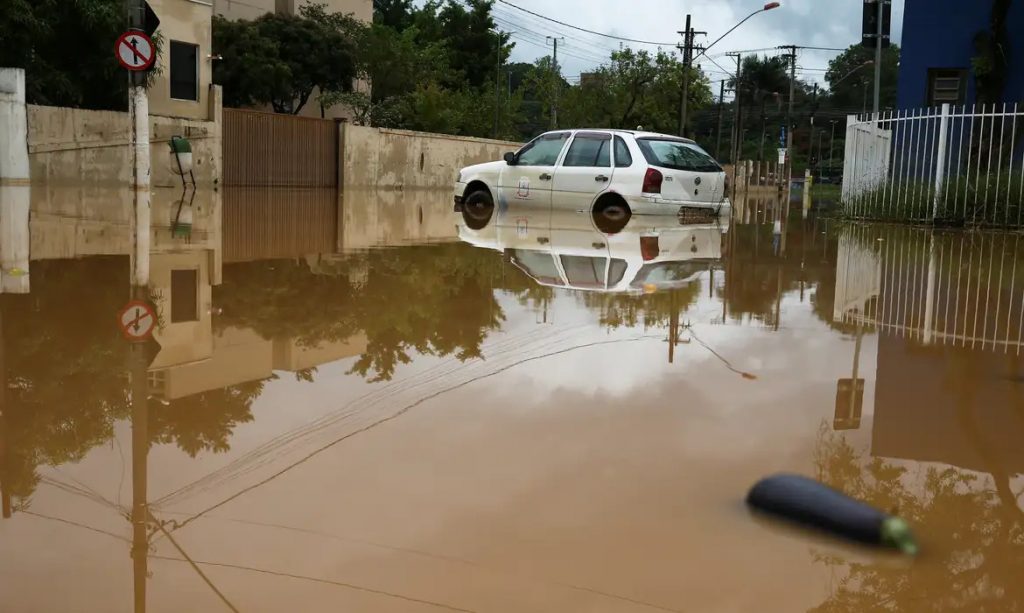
(878, 56)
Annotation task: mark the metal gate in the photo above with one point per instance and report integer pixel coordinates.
(272, 150)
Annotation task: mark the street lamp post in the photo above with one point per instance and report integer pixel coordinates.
(832, 146)
(768, 7)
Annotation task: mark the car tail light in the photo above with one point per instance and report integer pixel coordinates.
(649, 247)
(652, 181)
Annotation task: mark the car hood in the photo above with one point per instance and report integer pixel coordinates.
(484, 168)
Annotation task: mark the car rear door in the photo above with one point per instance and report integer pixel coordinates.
(585, 171)
(690, 173)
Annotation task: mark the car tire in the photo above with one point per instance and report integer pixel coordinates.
(477, 209)
(611, 215)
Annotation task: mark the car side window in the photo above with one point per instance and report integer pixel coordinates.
(623, 159)
(589, 151)
(540, 266)
(542, 151)
(583, 271)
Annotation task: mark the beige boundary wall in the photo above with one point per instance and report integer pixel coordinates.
(93, 148)
(378, 158)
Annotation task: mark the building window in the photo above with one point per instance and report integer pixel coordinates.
(184, 71)
(184, 296)
(947, 86)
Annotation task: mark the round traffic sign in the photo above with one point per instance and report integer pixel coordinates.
(135, 51)
(137, 320)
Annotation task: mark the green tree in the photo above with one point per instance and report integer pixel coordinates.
(282, 59)
(763, 81)
(66, 49)
(635, 88)
(395, 14)
(849, 79)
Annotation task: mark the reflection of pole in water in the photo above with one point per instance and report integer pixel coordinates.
(140, 453)
(929, 297)
(673, 327)
(856, 362)
(5, 494)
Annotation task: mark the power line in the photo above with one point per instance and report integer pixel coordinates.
(531, 22)
(569, 25)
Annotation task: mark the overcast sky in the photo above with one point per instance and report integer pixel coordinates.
(820, 23)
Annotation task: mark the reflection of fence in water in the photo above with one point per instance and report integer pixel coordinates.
(262, 223)
(945, 288)
(955, 163)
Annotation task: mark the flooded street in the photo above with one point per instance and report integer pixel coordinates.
(369, 402)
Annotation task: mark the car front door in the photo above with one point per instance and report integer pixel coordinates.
(529, 180)
(585, 172)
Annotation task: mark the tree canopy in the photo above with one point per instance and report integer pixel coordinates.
(281, 59)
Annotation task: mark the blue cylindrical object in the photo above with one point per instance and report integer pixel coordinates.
(814, 504)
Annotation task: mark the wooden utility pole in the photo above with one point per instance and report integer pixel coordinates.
(737, 133)
(684, 98)
(721, 105)
(555, 77)
(789, 113)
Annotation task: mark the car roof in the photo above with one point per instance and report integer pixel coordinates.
(634, 133)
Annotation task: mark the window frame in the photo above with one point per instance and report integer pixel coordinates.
(936, 74)
(615, 152)
(589, 136)
(176, 310)
(546, 136)
(172, 64)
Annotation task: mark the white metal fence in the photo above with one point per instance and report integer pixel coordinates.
(940, 288)
(959, 165)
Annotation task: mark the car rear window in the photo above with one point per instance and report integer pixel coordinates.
(667, 273)
(677, 155)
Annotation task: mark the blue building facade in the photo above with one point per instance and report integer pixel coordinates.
(938, 44)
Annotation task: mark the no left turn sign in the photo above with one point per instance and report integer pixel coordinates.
(135, 51)
(137, 320)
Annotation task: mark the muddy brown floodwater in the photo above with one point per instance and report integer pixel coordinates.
(375, 404)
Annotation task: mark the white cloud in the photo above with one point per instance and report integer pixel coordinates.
(820, 23)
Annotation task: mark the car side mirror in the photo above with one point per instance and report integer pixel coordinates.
(510, 159)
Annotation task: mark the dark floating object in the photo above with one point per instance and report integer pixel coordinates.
(808, 502)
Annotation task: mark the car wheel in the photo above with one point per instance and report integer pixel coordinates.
(612, 215)
(477, 209)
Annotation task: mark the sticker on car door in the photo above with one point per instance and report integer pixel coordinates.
(523, 192)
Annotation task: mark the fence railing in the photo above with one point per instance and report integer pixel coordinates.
(939, 288)
(275, 150)
(959, 165)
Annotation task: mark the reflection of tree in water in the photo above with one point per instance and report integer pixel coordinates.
(64, 360)
(650, 310)
(436, 300)
(204, 422)
(66, 369)
(978, 558)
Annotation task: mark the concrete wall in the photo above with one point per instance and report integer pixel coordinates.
(243, 9)
(940, 34)
(391, 218)
(91, 149)
(187, 21)
(187, 341)
(400, 159)
(251, 9)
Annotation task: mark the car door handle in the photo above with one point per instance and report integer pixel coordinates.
(545, 177)
(601, 179)
(542, 240)
(598, 245)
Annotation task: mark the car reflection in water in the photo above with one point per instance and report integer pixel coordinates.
(609, 251)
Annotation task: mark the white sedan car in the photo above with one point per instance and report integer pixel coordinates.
(592, 170)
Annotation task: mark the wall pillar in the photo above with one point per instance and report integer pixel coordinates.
(14, 183)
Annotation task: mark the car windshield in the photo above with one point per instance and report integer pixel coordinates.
(677, 155)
